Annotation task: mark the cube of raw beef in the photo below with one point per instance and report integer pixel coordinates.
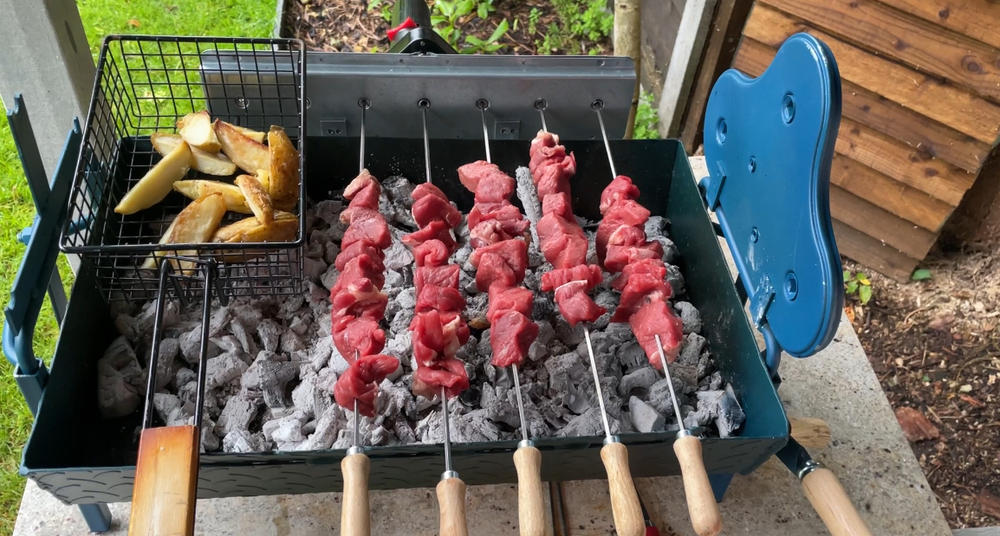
(363, 267)
(575, 305)
(590, 273)
(641, 288)
(363, 192)
(486, 181)
(654, 267)
(435, 298)
(619, 190)
(437, 335)
(558, 204)
(358, 249)
(359, 298)
(360, 382)
(503, 263)
(563, 243)
(361, 335)
(617, 257)
(439, 276)
(656, 318)
(435, 230)
(431, 208)
(511, 334)
(426, 188)
(502, 211)
(431, 253)
(504, 299)
(367, 226)
(448, 373)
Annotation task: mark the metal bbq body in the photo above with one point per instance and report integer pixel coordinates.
(81, 458)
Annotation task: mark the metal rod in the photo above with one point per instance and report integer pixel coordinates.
(447, 433)
(357, 355)
(154, 353)
(364, 104)
(597, 383)
(206, 312)
(670, 381)
(541, 105)
(486, 133)
(598, 105)
(520, 403)
(424, 104)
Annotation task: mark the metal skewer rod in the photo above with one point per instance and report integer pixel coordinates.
(608, 438)
(670, 381)
(364, 104)
(541, 105)
(448, 471)
(425, 103)
(597, 106)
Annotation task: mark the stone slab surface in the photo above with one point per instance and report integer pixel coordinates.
(868, 453)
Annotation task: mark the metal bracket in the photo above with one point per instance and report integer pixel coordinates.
(506, 130)
(334, 127)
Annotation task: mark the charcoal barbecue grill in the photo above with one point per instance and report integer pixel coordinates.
(768, 147)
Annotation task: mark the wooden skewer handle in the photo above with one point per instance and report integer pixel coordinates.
(702, 507)
(451, 502)
(530, 495)
(355, 515)
(832, 504)
(624, 499)
(166, 482)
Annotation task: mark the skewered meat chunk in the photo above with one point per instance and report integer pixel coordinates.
(655, 318)
(431, 253)
(590, 273)
(367, 226)
(357, 334)
(358, 249)
(430, 208)
(620, 256)
(364, 266)
(450, 374)
(360, 382)
(563, 242)
(435, 230)
(363, 192)
(575, 305)
(498, 232)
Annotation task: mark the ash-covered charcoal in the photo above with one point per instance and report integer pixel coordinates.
(272, 363)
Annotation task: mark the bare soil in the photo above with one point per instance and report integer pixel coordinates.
(935, 346)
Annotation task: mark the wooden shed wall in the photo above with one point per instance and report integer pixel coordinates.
(921, 112)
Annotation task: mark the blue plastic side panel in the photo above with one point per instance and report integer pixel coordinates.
(768, 147)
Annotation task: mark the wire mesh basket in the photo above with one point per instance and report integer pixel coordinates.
(145, 84)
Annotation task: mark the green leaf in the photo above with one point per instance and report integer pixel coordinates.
(499, 32)
(865, 293)
(863, 278)
(372, 4)
(921, 274)
(847, 275)
(852, 287)
(483, 11)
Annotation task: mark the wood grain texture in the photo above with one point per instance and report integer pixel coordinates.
(905, 38)
(624, 499)
(978, 19)
(166, 482)
(857, 245)
(702, 507)
(531, 517)
(949, 105)
(897, 198)
(355, 514)
(881, 225)
(884, 115)
(905, 164)
(451, 505)
(833, 505)
(810, 432)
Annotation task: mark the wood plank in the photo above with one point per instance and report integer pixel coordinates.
(978, 19)
(884, 115)
(683, 61)
(891, 195)
(961, 110)
(908, 238)
(885, 259)
(723, 40)
(910, 40)
(890, 157)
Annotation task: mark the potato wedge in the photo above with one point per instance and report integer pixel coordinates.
(284, 169)
(282, 229)
(231, 193)
(264, 178)
(157, 182)
(254, 135)
(196, 129)
(249, 155)
(256, 198)
(197, 223)
(203, 161)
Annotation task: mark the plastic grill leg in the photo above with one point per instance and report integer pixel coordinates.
(97, 516)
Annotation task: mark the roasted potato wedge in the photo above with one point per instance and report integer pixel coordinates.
(246, 153)
(282, 229)
(284, 169)
(157, 182)
(231, 193)
(203, 161)
(196, 129)
(254, 135)
(256, 198)
(198, 222)
(264, 178)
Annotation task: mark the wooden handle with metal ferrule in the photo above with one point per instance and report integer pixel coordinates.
(355, 515)
(166, 482)
(530, 499)
(451, 502)
(624, 499)
(702, 507)
(832, 504)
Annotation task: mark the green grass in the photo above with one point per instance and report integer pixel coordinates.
(253, 18)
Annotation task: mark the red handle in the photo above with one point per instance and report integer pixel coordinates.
(407, 24)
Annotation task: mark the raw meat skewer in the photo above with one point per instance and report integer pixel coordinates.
(564, 244)
(622, 246)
